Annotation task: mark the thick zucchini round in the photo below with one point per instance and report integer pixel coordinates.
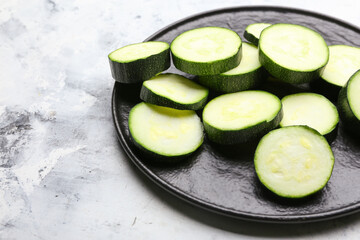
(294, 162)
(248, 74)
(349, 104)
(175, 91)
(310, 109)
(165, 132)
(240, 117)
(253, 31)
(139, 62)
(292, 53)
(206, 51)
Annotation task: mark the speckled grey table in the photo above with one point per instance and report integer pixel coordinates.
(63, 174)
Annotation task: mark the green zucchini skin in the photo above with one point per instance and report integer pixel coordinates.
(153, 157)
(327, 84)
(351, 122)
(287, 75)
(285, 71)
(330, 83)
(330, 133)
(286, 195)
(149, 96)
(251, 38)
(231, 137)
(141, 69)
(248, 34)
(207, 68)
(233, 83)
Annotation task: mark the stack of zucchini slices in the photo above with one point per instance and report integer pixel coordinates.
(292, 161)
(165, 125)
(295, 160)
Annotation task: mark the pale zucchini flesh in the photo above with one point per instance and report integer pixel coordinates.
(165, 131)
(137, 51)
(249, 62)
(344, 61)
(253, 31)
(294, 162)
(241, 110)
(310, 109)
(206, 51)
(206, 44)
(237, 117)
(294, 47)
(173, 90)
(139, 62)
(292, 53)
(248, 74)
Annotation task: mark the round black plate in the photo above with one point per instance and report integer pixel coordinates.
(223, 179)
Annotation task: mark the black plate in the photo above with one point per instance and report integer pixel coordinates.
(223, 180)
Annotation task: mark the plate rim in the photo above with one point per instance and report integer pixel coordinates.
(266, 218)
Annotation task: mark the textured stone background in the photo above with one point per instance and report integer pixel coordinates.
(63, 174)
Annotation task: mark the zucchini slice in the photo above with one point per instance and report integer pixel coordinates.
(344, 61)
(294, 162)
(349, 104)
(139, 62)
(253, 31)
(292, 53)
(310, 109)
(165, 132)
(248, 74)
(240, 117)
(175, 91)
(206, 51)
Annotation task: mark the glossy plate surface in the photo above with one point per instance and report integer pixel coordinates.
(222, 179)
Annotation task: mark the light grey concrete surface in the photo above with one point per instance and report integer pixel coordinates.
(63, 174)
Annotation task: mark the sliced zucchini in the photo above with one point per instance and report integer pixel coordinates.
(310, 109)
(240, 117)
(294, 162)
(248, 74)
(344, 61)
(253, 31)
(165, 132)
(292, 53)
(139, 62)
(349, 104)
(206, 51)
(175, 91)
